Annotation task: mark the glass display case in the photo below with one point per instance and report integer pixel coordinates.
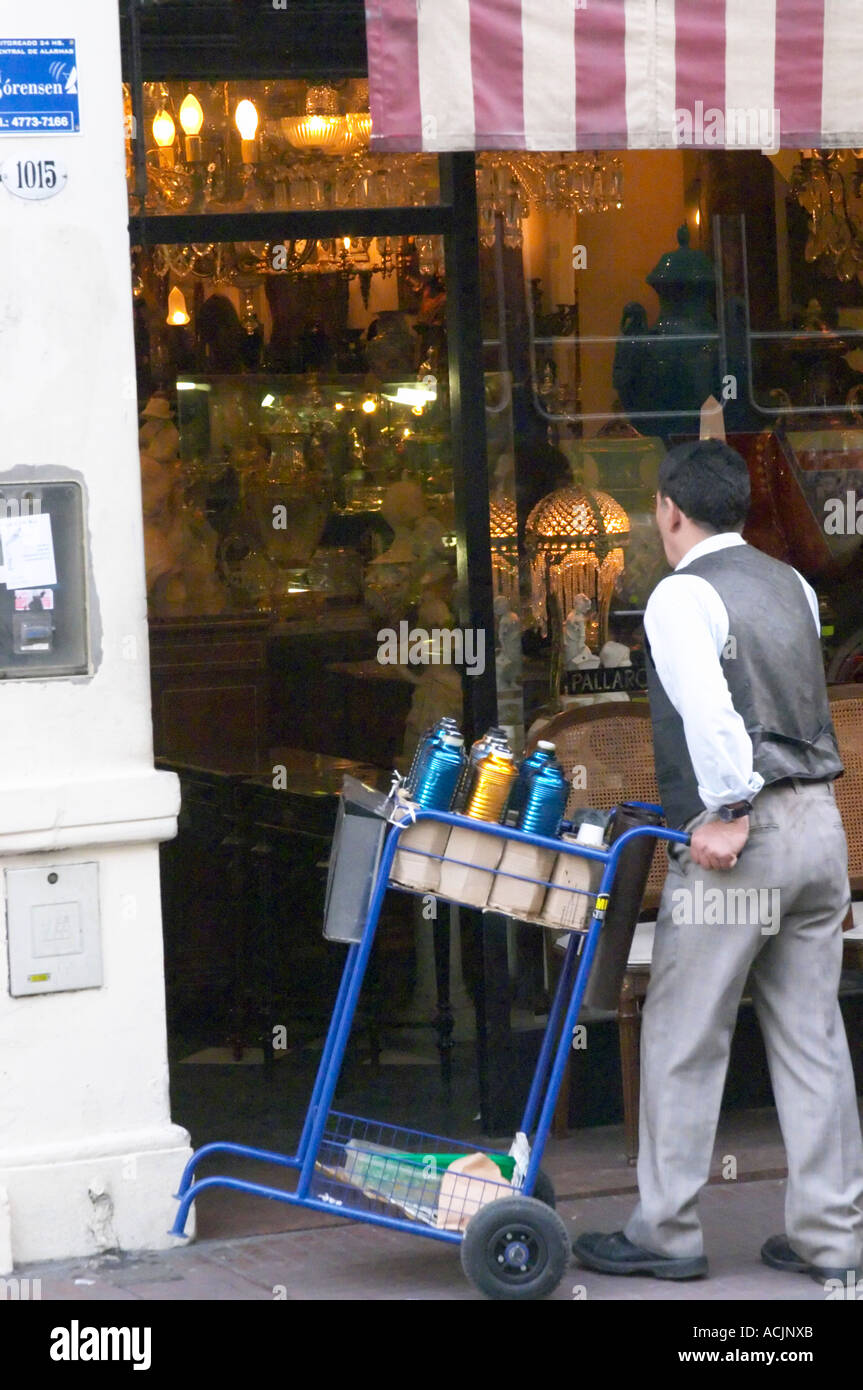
(289, 474)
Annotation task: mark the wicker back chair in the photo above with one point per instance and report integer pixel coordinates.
(846, 707)
(614, 745)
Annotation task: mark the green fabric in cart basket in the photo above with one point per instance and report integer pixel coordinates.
(505, 1162)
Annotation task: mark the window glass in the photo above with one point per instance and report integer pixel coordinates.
(706, 275)
(253, 146)
(297, 463)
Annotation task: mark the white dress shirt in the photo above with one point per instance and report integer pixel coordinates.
(687, 627)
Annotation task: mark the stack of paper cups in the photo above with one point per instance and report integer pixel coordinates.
(514, 896)
(470, 881)
(412, 866)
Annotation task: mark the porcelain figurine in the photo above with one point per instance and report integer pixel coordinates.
(577, 654)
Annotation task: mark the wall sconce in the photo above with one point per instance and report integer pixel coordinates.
(246, 119)
(178, 315)
(164, 132)
(191, 119)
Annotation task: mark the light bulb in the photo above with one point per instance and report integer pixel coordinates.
(246, 118)
(191, 115)
(164, 132)
(177, 313)
(346, 243)
(370, 406)
(191, 119)
(164, 129)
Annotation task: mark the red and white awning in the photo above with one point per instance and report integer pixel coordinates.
(615, 74)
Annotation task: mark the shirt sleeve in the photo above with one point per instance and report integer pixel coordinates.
(687, 627)
(812, 600)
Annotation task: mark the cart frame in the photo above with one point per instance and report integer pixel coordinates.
(550, 1066)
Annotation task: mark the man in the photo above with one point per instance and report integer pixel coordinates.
(745, 760)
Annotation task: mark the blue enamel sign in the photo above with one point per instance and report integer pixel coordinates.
(38, 86)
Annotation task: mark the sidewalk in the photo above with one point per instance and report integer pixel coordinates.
(348, 1262)
(331, 1260)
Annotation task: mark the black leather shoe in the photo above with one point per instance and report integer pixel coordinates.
(615, 1254)
(778, 1253)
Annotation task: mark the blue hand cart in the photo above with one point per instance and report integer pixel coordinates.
(498, 1208)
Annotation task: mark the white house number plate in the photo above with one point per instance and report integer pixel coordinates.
(33, 178)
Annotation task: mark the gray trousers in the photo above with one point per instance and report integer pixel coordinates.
(774, 920)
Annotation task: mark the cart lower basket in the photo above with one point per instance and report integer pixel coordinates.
(498, 1208)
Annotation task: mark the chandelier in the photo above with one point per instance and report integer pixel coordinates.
(574, 541)
(243, 263)
(322, 128)
(828, 185)
(510, 183)
(503, 534)
(319, 159)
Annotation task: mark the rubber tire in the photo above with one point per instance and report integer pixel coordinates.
(543, 1190)
(486, 1234)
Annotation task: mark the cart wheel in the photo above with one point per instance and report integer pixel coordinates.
(515, 1248)
(543, 1190)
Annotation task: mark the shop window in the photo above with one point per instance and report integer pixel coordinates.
(694, 275)
(254, 146)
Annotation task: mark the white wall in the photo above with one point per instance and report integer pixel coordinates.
(88, 1156)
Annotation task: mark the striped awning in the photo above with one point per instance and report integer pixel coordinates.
(615, 74)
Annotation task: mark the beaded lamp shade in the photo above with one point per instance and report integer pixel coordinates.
(574, 541)
(503, 532)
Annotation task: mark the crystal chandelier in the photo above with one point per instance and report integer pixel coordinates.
(322, 129)
(828, 184)
(503, 533)
(510, 183)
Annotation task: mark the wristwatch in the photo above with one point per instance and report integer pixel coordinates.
(735, 812)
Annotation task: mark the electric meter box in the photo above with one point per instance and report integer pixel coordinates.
(43, 580)
(53, 929)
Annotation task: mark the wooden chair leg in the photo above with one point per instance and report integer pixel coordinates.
(629, 1025)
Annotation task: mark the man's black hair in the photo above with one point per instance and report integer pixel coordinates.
(709, 482)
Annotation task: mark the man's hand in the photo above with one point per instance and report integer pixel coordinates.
(717, 844)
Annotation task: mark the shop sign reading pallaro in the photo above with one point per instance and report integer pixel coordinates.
(38, 87)
(605, 679)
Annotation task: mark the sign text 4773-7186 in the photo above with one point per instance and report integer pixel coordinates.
(38, 87)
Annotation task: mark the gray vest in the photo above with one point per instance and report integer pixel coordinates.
(772, 663)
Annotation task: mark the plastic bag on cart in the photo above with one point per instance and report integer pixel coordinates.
(468, 1184)
(624, 905)
(358, 841)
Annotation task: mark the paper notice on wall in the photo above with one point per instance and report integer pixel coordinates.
(28, 551)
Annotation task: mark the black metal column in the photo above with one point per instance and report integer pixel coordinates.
(471, 491)
(467, 404)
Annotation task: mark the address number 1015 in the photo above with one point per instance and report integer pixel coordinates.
(33, 178)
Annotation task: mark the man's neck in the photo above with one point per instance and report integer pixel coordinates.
(706, 543)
